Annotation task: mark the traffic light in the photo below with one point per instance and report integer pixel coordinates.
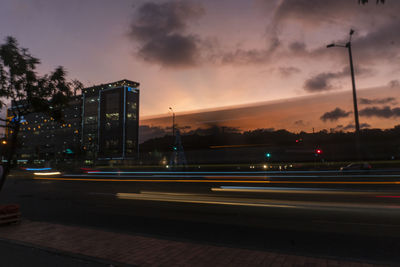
(175, 148)
(68, 151)
(318, 151)
(267, 155)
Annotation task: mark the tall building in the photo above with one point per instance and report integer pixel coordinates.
(100, 124)
(111, 120)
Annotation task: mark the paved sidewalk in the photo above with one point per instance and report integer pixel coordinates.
(121, 249)
(17, 254)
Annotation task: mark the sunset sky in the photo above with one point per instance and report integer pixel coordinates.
(193, 55)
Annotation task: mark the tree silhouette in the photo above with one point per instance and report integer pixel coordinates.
(25, 92)
(366, 1)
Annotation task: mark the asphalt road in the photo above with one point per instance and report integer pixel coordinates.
(356, 215)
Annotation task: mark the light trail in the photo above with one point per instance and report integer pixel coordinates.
(37, 169)
(47, 173)
(215, 181)
(229, 172)
(251, 202)
(309, 176)
(145, 180)
(238, 176)
(201, 172)
(261, 189)
(188, 199)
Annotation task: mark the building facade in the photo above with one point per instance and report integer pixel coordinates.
(110, 124)
(100, 124)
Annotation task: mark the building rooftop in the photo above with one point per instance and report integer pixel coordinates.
(110, 85)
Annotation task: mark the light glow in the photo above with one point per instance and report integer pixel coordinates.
(38, 169)
(46, 173)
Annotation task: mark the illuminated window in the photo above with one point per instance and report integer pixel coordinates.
(112, 116)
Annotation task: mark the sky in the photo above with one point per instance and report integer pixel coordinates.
(307, 113)
(194, 55)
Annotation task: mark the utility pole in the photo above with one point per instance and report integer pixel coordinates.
(357, 123)
(173, 125)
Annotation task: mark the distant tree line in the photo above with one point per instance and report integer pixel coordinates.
(336, 145)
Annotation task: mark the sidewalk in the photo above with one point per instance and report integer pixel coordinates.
(77, 246)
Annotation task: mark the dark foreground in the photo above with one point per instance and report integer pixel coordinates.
(354, 217)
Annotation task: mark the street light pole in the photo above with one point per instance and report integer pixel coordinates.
(354, 89)
(357, 123)
(173, 125)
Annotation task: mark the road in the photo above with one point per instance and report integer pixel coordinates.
(353, 215)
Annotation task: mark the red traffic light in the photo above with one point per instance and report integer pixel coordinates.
(318, 151)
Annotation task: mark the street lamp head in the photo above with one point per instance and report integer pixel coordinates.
(330, 45)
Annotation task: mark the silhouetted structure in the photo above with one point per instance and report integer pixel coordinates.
(89, 130)
(178, 158)
(111, 120)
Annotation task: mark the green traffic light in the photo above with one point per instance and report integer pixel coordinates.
(268, 155)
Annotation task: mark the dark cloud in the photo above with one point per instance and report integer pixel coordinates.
(394, 83)
(374, 101)
(323, 81)
(297, 47)
(377, 43)
(384, 112)
(314, 13)
(251, 56)
(299, 123)
(364, 125)
(288, 71)
(334, 115)
(159, 29)
(351, 126)
(380, 44)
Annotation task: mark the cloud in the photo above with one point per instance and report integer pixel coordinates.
(300, 123)
(243, 57)
(314, 13)
(385, 112)
(351, 126)
(394, 83)
(251, 56)
(364, 125)
(366, 101)
(161, 33)
(323, 81)
(159, 30)
(297, 47)
(373, 42)
(288, 71)
(334, 115)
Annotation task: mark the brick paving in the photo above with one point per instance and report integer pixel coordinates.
(147, 251)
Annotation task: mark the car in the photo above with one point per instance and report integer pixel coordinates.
(361, 166)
